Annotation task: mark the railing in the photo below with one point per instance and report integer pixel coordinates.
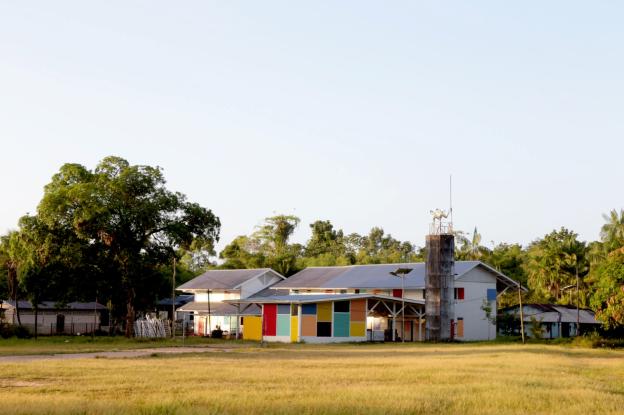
(440, 228)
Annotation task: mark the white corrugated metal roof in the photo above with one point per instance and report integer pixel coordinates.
(317, 298)
(224, 279)
(374, 276)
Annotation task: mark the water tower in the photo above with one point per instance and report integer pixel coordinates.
(439, 278)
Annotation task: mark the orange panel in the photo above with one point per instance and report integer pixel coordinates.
(358, 305)
(460, 327)
(358, 310)
(308, 325)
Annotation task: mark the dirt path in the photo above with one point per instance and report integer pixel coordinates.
(114, 354)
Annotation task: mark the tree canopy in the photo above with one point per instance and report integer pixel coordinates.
(107, 232)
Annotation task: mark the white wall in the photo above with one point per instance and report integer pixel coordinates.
(217, 296)
(475, 283)
(255, 285)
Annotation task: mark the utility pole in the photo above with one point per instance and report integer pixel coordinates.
(173, 286)
(521, 312)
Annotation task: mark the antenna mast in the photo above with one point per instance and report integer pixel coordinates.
(451, 198)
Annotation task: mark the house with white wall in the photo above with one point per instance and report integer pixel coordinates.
(368, 302)
(213, 287)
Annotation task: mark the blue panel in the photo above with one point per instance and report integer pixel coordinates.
(491, 294)
(283, 309)
(308, 309)
(341, 324)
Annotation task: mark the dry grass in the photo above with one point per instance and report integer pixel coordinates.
(307, 379)
(85, 344)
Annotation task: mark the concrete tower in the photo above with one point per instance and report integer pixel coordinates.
(440, 279)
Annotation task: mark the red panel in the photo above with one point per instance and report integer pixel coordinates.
(460, 293)
(270, 319)
(397, 293)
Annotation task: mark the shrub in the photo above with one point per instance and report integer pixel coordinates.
(9, 330)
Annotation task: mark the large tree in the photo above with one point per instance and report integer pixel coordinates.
(268, 246)
(130, 219)
(553, 262)
(612, 232)
(607, 297)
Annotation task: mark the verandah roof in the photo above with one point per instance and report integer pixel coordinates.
(319, 298)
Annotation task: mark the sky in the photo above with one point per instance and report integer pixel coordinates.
(354, 111)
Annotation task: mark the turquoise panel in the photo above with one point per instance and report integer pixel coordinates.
(283, 325)
(341, 324)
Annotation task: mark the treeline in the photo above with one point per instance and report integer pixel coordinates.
(113, 232)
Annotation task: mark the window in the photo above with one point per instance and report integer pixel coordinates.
(343, 291)
(491, 294)
(459, 293)
(357, 290)
(341, 307)
(323, 329)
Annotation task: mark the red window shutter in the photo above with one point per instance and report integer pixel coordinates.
(460, 293)
(397, 293)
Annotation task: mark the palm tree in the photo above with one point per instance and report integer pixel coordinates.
(612, 232)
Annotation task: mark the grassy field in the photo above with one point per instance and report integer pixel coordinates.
(78, 344)
(309, 379)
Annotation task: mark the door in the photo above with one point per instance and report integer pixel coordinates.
(60, 323)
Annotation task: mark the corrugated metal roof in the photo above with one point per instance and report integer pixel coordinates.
(553, 313)
(369, 276)
(52, 305)
(318, 298)
(220, 309)
(223, 279)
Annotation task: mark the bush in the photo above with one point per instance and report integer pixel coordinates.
(9, 330)
(217, 333)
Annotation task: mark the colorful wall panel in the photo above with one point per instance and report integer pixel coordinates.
(341, 324)
(460, 327)
(358, 310)
(309, 309)
(324, 312)
(270, 319)
(283, 325)
(294, 329)
(308, 325)
(283, 320)
(358, 328)
(252, 328)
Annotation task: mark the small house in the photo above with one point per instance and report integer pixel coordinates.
(57, 318)
(553, 320)
(211, 290)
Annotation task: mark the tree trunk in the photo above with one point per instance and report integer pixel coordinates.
(36, 305)
(12, 277)
(130, 313)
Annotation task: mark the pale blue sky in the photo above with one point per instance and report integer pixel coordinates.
(355, 111)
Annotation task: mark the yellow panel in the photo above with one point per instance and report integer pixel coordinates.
(358, 329)
(294, 329)
(324, 312)
(252, 328)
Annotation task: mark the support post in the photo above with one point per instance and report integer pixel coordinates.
(521, 313)
(299, 315)
(578, 311)
(173, 285)
(393, 321)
